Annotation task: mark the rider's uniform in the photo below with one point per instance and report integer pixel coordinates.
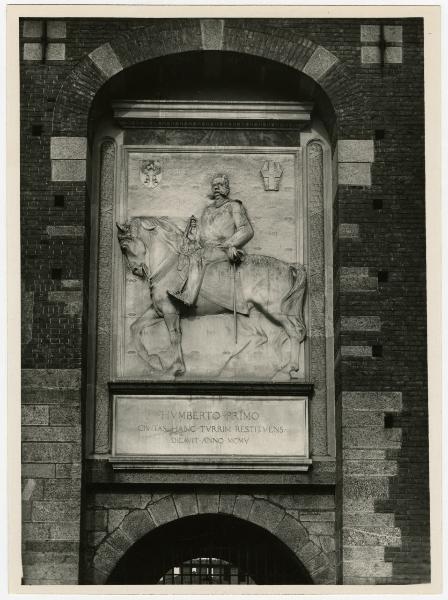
(223, 225)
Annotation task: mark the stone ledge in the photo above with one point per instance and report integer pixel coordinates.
(65, 231)
(387, 401)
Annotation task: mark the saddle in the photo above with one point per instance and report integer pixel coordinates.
(218, 286)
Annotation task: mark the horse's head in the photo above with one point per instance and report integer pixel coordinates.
(132, 246)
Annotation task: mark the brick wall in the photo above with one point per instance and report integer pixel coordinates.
(379, 299)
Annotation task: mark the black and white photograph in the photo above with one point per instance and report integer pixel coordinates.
(223, 298)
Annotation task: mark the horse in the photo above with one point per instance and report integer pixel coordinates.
(269, 287)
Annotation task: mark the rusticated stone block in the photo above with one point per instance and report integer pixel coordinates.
(55, 51)
(32, 28)
(106, 557)
(265, 514)
(64, 415)
(363, 568)
(363, 437)
(354, 173)
(65, 531)
(325, 516)
(212, 34)
(46, 452)
(356, 151)
(362, 418)
(52, 573)
(96, 520)
(370, 33)
(44, 471)
(387, 401)
(367, 323)
(61, 488)
(208, 503)
(59, 379)
(68, 170)
(72, 301)
(371, 487)
(369, 520)
(106, 60)
(320, 62)
(326, 575)
(370, 467)
(119, 540)
(137, 523)
(56, 29)
(163, 511)
(70, 471)
(356, 351)
(65, 231)
(367, 553)
(35, 415)
(226, 503)
(115, 518)
(242, 506)
(35, 531)
(51, 434)
(371, 536)
(348, 231)
(68, 148)
(32, 51)
(319, 527)
(186, 504)
(55, 511)
(292, 533)
(357, 279)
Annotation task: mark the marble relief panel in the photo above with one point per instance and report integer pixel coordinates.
(184, 310)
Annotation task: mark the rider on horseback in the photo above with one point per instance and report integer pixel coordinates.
(223, 229)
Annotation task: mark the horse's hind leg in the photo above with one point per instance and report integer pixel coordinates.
(253, 327)
(292, 333)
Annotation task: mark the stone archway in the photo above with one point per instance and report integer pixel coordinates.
(169, 508)
(70, 116)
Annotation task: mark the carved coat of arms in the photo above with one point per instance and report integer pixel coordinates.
(271, 172)
(150, 173)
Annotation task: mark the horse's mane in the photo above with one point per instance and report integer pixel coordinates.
(166, 228)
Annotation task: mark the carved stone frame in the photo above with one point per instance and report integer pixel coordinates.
(102, 346)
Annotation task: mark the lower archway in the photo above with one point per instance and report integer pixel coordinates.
(209, 549)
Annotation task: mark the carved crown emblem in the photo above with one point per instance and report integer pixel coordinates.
(150, 173)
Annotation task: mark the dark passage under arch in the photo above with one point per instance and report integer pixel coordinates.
(257, 555)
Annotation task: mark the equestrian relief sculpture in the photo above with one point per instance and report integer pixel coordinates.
(202, 269)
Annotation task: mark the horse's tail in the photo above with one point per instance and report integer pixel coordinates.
(292, 302)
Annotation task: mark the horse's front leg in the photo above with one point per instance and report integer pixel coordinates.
(172, 321)
(148, 319)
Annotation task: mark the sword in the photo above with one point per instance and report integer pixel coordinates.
(235, 330)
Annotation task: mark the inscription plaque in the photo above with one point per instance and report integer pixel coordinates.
(211, 432)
